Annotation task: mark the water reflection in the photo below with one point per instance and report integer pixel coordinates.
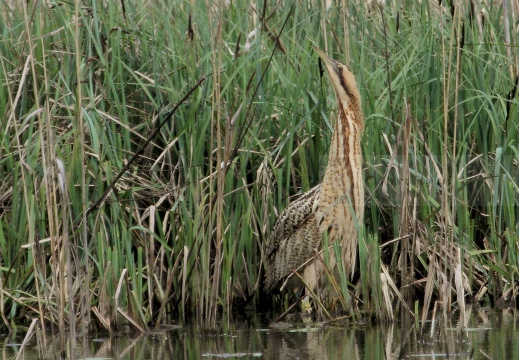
(489, 335)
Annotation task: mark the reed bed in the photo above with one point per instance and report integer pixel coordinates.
(85, 87)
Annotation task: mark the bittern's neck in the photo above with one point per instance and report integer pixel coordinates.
(347, 132)
(345, 156)
(342, 189)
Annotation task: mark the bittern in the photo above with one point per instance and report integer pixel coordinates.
(332, 207)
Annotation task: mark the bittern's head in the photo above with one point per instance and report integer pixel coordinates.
(344, 85)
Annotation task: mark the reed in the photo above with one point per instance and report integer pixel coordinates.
(83, 86)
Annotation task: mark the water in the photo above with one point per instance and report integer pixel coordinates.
(490, 335)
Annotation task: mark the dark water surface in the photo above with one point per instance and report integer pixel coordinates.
(490, 335)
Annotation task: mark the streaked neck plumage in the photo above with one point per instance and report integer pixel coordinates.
(340, 207)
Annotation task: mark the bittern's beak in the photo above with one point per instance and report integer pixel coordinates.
(331, 64)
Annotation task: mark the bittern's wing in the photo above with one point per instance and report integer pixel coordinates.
(294, 236)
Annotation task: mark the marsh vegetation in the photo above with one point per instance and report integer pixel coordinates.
(101, 228)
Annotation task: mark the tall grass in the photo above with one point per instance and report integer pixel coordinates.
(85, 85)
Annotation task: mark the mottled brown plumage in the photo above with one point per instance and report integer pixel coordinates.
(334, 206)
